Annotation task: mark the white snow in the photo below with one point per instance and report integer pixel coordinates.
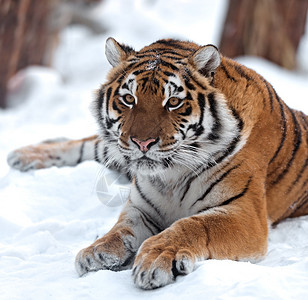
(47, 216)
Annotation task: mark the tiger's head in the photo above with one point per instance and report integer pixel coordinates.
(159, 108)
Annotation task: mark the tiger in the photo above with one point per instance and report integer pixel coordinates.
(215, 158)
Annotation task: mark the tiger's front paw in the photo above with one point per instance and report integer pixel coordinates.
(43, 155)
(159, 262)
(111, 252)
(25, 159)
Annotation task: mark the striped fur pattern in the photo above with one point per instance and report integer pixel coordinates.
(214, 154)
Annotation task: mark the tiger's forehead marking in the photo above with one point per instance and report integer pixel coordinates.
(129, 86)
(153, 64)
(173, 88)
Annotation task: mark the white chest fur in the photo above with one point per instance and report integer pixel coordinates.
(174, 197)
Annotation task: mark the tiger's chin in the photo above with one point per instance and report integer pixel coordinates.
(147, 166)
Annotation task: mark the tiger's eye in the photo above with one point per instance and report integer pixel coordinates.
(128, 99)
(174, 103)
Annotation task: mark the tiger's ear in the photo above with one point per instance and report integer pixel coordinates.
(206, 59)
(116, 52)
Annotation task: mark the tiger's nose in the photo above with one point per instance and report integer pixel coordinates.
(144, 146)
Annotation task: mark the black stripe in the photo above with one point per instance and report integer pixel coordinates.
(168, 65)
(169, 74)
(232, 145)
(158, 62)
(240, 71)
(230, 149)
(160, 51)
(187, 83)
(188, 76)
(105, 155)
(195, 146)
(137, 72)
(144, 82)
(188, 96)
(136, 66)
(269, 92)
(292, 210)
(173, 57)
(238, 195)
(114, 106)
(100, 98)
(167, 162)
(125, 86)
(174, 44)
(303, 201)
(96, 158)
(109, 91)
(81, 152)
(142, 55)
(149, 220)
(227, 73)
(182, 133)
(187, 188)
(296, 144)
(197, 128)
(187, 112)
(147, 200)
(124, 72)
(143, 219)
(240, 123)
(127, 49)
(299, 176)
(124, 142)
(209, 189)
(214, 134)
(133, 60)
(175, 87)
(189, 181)
(110, 121)
(201, 102)
(283, 127)
(163, 55)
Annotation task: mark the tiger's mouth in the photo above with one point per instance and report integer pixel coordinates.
(153, 161)
(147, 165)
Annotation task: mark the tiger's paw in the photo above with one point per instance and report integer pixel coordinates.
(42, 155)
(157, 265)
(108, 253)
(26, 158)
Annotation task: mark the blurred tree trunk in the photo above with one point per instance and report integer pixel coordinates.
(29, 32)
(268, 28)
(25, 37)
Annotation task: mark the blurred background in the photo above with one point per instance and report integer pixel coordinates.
(69, 35)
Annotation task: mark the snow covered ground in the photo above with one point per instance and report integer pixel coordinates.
(46, 216)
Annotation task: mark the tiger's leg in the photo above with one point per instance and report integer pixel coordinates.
(58, 152)
(234, 231)
(117, 249)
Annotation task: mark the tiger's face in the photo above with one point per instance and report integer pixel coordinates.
(159, 109)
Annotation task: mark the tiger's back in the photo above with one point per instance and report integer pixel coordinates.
(279, 137)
